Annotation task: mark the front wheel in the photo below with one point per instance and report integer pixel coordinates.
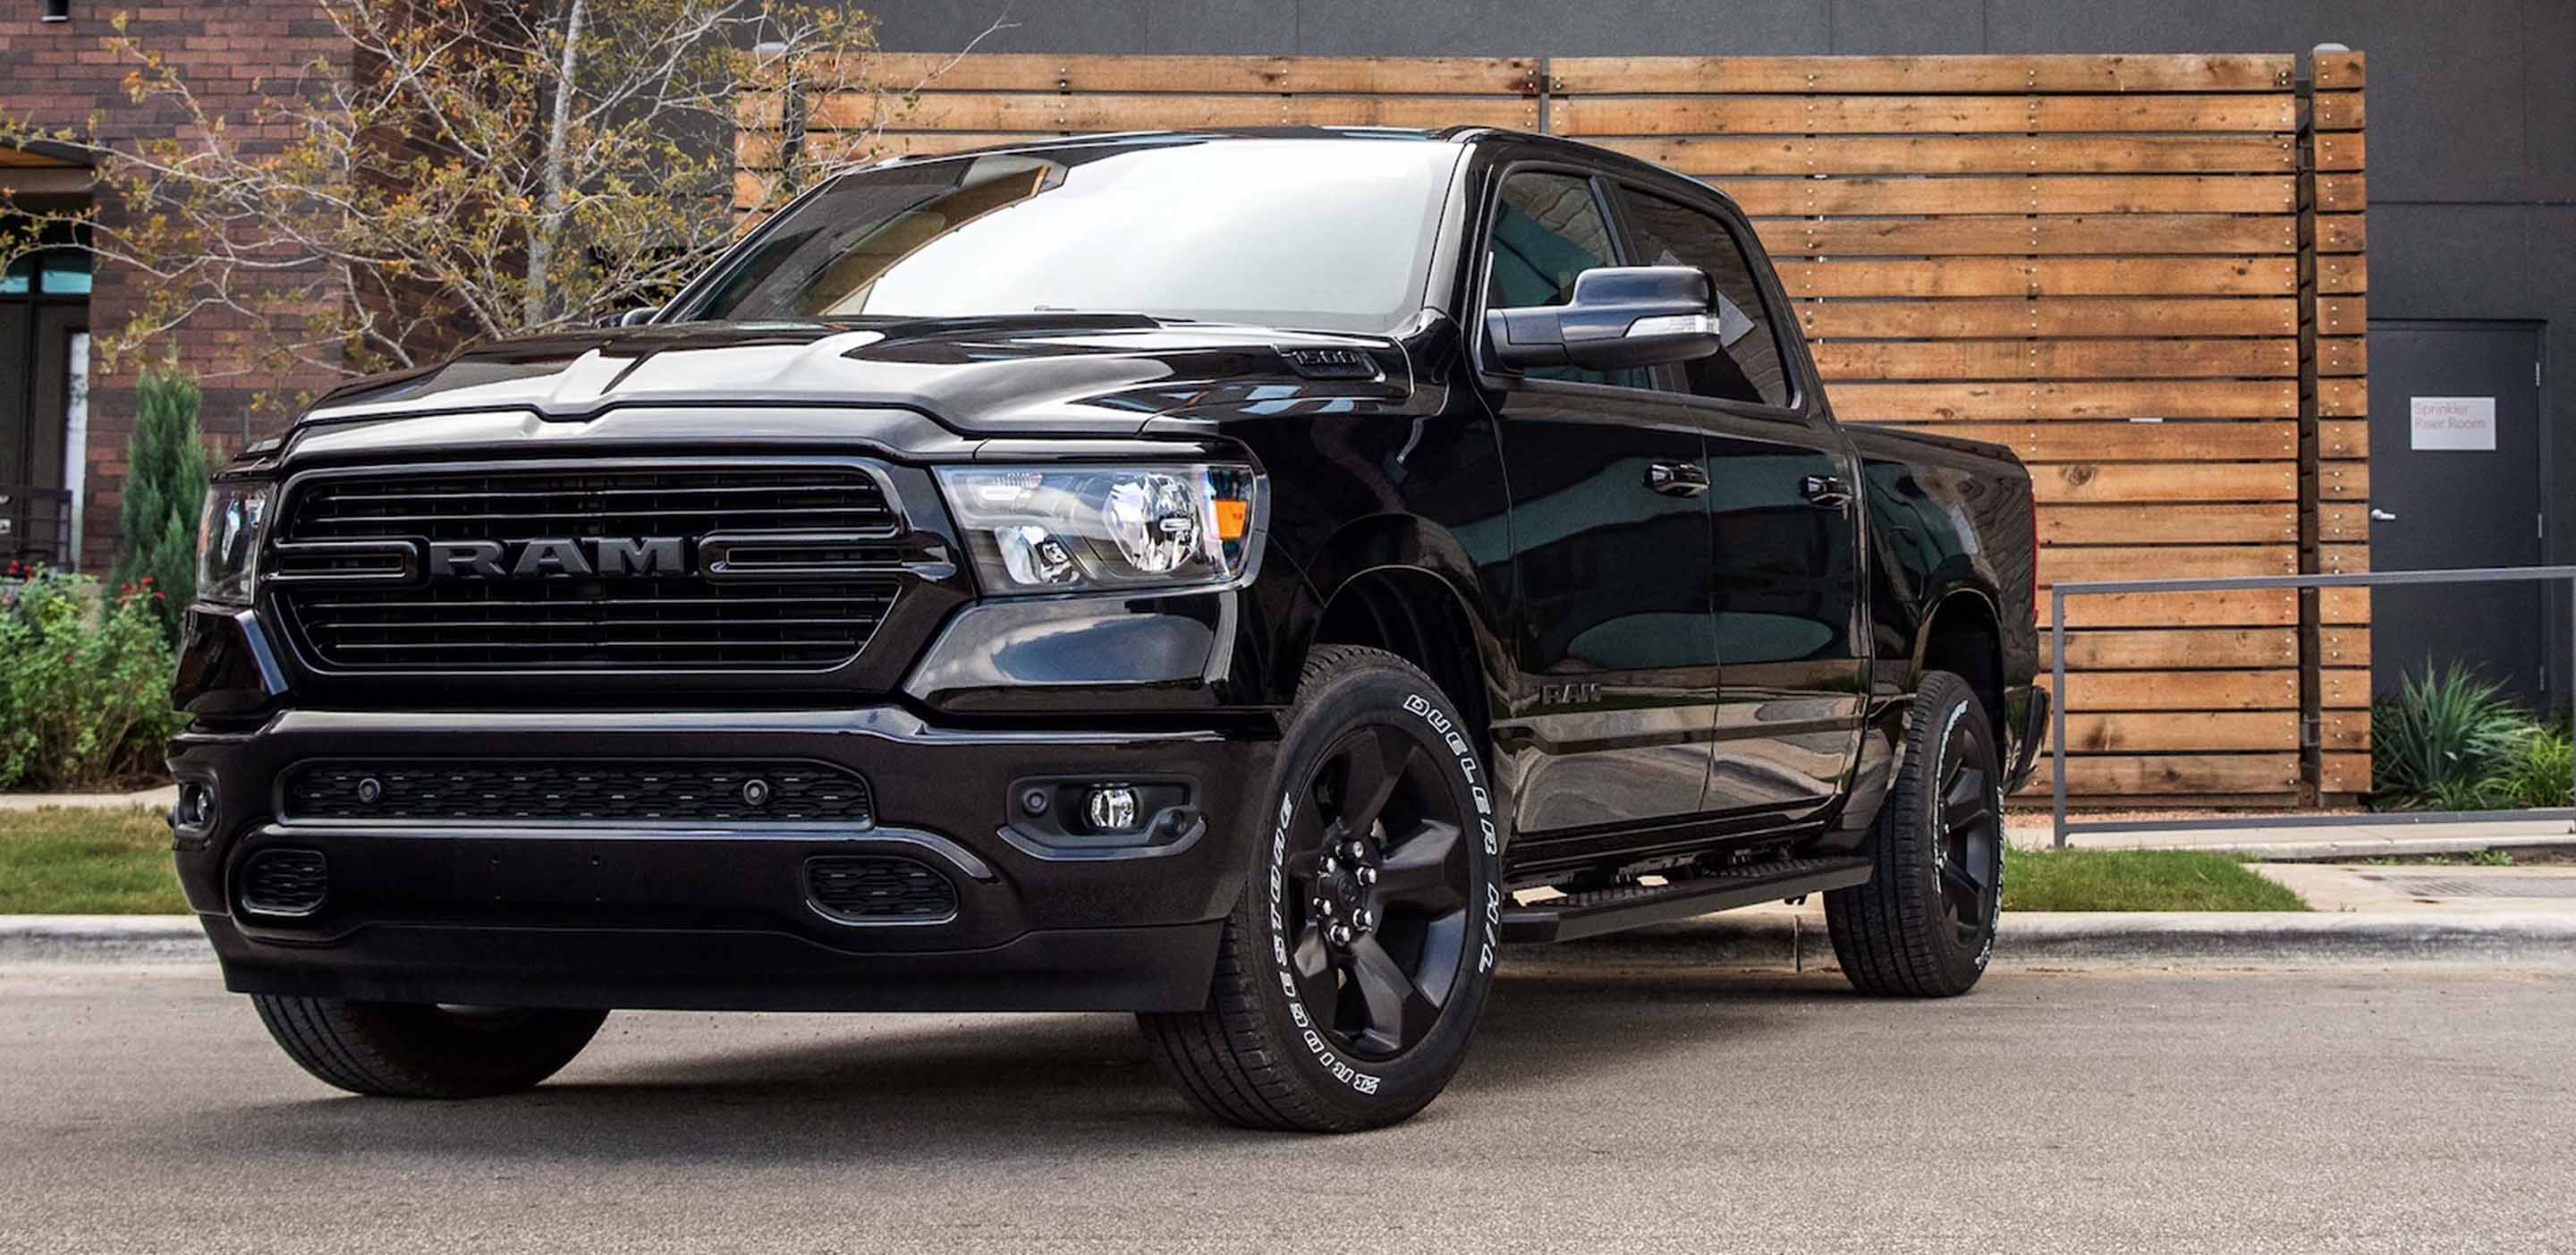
(1351, 971)
(1923, 926)
(402, 1050)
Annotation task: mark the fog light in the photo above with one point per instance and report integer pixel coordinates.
(1111, 808)
(195, 809)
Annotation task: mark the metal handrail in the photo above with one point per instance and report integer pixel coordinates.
(2057, 682)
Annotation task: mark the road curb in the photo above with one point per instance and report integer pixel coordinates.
(103, 939)
(1751, 939)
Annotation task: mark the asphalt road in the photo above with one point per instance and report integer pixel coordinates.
(1619, 1102)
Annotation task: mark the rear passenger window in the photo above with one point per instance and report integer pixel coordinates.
(1669, 233)
(1549, 228)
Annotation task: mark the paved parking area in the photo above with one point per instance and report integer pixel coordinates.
(1618, 1100)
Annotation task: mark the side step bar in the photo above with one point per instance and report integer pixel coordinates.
(1597, 911)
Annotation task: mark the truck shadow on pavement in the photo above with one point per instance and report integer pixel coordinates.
(795, 1088)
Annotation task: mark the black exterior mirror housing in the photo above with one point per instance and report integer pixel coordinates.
(1620, 316)
(638, 316)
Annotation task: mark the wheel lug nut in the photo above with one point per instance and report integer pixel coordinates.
(1341, 934)
(1368, 875)
(1331, 865)
(1354, 851)
(1324, 905)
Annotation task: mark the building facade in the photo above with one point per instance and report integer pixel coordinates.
(65, 412)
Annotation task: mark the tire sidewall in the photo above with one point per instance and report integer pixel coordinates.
(1961, 706)
(1385, 694)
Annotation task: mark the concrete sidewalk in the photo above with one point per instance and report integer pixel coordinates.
(160, 799)
(2366, 836)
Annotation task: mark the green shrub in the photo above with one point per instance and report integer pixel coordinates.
(165, 492)
(85, 692)
(2452, 741)
(2535, 767)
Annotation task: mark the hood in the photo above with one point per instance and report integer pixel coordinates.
(1044, 374)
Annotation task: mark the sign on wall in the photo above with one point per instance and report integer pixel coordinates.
(2451, 423)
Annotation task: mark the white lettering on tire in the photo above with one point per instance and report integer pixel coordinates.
(1338, 1068)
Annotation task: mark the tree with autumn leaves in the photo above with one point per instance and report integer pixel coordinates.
(470, 169)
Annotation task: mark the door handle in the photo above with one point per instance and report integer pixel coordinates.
(2378, 515)
(1677, 479)
(1826, 492)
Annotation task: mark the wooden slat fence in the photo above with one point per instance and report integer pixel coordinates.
(2145, 274)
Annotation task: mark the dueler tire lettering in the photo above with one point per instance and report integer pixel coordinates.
(1264, 1053)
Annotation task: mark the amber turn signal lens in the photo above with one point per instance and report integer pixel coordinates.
(1232, 518)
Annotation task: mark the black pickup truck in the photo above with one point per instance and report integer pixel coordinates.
(1242, 579)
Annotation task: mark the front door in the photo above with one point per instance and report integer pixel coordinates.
(1783, 508)
(1611, 530)
(2455, 481)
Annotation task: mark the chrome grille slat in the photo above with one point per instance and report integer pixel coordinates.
(798, 621)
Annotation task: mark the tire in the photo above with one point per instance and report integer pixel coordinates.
(397, 1050)
(1923, 926)
(1307, 1029)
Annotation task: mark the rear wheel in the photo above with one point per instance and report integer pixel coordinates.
(1350, 974)
(1924, 924)
(403, 1050)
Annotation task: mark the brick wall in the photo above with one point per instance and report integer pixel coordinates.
(59, 74)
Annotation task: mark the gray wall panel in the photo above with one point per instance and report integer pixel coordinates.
(1908, 26)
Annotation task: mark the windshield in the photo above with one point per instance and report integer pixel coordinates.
(1330, 234)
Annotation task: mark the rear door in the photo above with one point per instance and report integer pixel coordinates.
(1785, 512)
(1611, 535)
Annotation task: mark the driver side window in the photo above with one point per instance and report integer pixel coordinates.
(1548, 228)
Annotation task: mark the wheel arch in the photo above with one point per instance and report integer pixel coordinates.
(1405, 585)
(1963, 634)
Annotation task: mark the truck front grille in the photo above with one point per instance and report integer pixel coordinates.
(608, 791)
(807, 566)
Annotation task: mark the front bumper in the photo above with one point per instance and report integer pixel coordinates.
(719, 915)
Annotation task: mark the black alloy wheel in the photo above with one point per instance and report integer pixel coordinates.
(1378, 875)
(1967, 846)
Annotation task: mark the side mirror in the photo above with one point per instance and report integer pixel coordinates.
(637, 317)
(1621, 316)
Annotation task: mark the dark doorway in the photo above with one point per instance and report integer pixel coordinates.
(44, 321)
(2458, 470)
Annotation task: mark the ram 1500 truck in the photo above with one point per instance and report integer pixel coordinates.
(1243, 579)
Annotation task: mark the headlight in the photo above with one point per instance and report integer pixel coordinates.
(1077, 528)
(228, 541)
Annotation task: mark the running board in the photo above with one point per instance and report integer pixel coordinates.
(1597, 911)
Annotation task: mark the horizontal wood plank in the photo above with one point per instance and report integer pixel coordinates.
(2043, 194)
(2276, 358)
(2071, 316)
(2051, 442)
(2348, 688)
(2059, 564)
(1146, 72)
(2056, 276)
(2170, 774)
(2090, 401)
(990, 111)
(2265, 523)
(2048, 72)
(1720, 157)
(2344, 773)
(2181, 234)
(2101, 691)
(2201, 730)
(2339, 71)
(2179, 481)
(2253, 607)
(2183, 649)
(1888, 114)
